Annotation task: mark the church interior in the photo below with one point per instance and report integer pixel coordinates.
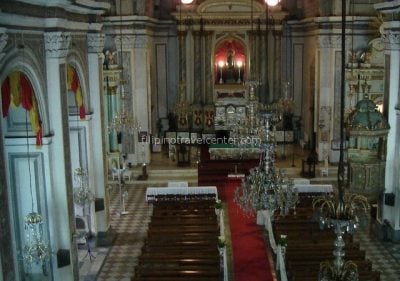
(200, 140)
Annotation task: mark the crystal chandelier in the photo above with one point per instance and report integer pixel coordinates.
(123, 121)
(342, 212)
(82, 194)
(36, 249)
(266, 188)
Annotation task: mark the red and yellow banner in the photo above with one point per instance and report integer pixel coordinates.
(74, 86)
(16, 91)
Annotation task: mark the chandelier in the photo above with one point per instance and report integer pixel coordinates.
(266, 188)
(123, 121)
(82, 194)
(36, 250)
(342, 212)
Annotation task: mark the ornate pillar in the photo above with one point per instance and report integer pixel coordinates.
(277, 80)
(125, 55)
(208, 77)
(3, 42)
(328, 67)
(182, 64)
(6, 255)
(141, 92)
(198, 68)
(97, 168)
(61, 216)
(264, 69)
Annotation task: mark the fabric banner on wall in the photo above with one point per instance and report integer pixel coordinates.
(75, 86)
(16, 91)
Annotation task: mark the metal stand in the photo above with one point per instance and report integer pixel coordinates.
(89, 249)
(121, 194)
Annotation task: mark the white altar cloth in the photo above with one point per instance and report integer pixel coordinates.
(151, 192)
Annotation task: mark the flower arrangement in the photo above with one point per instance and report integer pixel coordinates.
(282, 240)
(221, 241)
(218, 204)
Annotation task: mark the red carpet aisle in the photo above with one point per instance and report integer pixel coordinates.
(250, 260)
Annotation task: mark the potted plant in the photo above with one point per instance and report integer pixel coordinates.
(221, 244)
(282, 240)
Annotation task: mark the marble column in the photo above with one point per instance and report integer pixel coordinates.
(141, 92)
(96, 155)
(61, 216)
(7, 270)
(117, 102)
(208, 77)
(3, 42)
(198, 70)
(264, 69)
(6, 255)
(277, 80)
(182, 56)
(328, 67)
(391, 40)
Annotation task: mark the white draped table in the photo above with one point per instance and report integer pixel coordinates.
(314, 188)
(152, 192)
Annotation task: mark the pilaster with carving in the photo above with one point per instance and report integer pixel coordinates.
(95, 42)
(252, 39)
(3, 43)
(57, 44)
(391, 39)
(125, 42)
(197, 68)
(390, 36)
(125, 45)
(209, 81)
(277, 80)
(332, 41)
(182, 55)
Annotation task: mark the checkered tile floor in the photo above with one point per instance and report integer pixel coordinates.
(131, 230)
(385, 256)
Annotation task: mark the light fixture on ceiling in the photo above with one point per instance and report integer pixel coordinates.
(272, 3)
(187, 1)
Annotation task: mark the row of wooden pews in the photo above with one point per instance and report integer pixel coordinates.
(308, 246)
(182, 242)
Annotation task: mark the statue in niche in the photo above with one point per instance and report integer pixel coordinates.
(230, 72)
(109, 60)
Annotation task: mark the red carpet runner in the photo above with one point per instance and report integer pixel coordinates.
(250, 260)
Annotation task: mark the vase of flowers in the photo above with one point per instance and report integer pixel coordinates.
(221, 244)
(282, 241)
(218, 207)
